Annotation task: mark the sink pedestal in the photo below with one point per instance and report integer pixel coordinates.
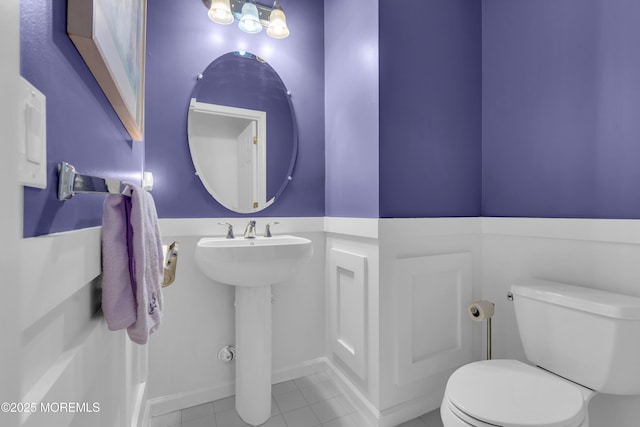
(253, 353)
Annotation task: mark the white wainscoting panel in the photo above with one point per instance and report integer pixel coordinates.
(348, 302)
(68, 356)
(70, 260)
(433, 334)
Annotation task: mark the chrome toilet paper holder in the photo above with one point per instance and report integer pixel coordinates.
(483, 310)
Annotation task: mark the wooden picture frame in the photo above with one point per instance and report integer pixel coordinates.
(111, 37)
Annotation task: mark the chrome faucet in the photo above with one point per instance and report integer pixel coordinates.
(229, 229)
(267, 228)
(250, 231)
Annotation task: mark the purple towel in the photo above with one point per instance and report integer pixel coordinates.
(132, 264)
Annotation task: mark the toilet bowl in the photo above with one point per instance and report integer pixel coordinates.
(582, 342)
(510, 393)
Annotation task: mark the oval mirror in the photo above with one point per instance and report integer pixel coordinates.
(242, 132)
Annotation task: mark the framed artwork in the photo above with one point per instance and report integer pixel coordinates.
(110, 36)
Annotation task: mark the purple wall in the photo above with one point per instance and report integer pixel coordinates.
(82, 128)
(558, 88)
(561, 107)
(351, 108)
(430, 108)
(181, 42)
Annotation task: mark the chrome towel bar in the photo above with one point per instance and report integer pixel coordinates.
(71, 182)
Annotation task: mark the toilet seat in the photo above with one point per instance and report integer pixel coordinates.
(510, 393)
(454, 417)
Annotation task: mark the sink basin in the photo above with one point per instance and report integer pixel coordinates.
(261, 261)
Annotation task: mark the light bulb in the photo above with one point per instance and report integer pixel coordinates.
(220, 12)
(277, 23)
(250, 20)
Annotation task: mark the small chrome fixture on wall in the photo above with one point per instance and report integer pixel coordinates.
(252, 17)
(483, 310)
(227, 353)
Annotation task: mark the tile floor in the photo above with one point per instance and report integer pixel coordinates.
(309, 401)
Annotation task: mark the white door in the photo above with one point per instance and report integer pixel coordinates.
(10, 210)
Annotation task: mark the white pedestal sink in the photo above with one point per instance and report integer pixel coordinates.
(252, 266)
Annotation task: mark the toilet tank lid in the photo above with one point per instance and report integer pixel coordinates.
(594, 301)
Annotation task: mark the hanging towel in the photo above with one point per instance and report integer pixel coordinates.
(118, 302)
(132, 264)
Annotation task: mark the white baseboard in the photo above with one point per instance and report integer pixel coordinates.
(303, 369)
(389, 417)
(175, 402)
(367, 409)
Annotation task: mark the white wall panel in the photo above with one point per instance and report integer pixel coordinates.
(433, 332)
(348, 304)
(429, 273)
(420, 274)
(70, 260)
(351, 239)
(68, 354)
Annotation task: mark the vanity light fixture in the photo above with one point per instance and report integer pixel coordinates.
(252, 17)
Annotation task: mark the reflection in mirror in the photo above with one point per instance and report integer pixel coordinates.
(232, 141)
(242, 132)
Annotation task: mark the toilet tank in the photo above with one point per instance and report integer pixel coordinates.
(588, 336)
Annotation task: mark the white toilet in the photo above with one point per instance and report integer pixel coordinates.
(583, 341)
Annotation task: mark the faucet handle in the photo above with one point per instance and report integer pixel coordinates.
(229, 229)
(267, 228)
